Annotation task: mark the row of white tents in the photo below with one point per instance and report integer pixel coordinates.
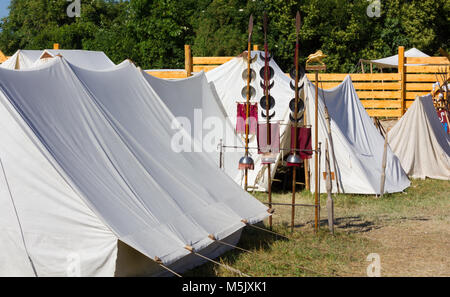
(92, 185)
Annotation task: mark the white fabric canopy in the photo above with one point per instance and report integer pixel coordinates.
(90, 163)
(420, 141)
(26, 59)
(358, 146)
(392, 61)
(196, 101)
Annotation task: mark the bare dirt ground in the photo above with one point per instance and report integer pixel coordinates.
(419, 247)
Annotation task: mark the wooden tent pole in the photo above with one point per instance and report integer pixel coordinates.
(188, 60)
(383, 166)
(401, 72)
(330, 202)
(306, 161)
(316, 156)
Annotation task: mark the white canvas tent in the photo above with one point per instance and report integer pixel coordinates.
(195, 101)
(420, 141)
(90, 184)
(358, 146)
(392, 61)
(25, 59)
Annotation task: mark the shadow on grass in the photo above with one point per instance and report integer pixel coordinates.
(252, 239)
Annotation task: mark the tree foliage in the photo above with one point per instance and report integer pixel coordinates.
(152, 33)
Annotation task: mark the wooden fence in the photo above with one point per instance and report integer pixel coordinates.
(386, 95)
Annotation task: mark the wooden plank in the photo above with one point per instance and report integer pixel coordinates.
(427, 60)
(421, 78)
(204, 68)
(427, 69)
(211, 60)
(419, 86)
(381, 103)
(379, 94)
(389, 113)
(168, 74)
(409, 103)
(413, 95)
(364, 85)
(356, 76)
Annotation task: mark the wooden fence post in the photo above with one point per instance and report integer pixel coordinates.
(402, 74)
(188, 60)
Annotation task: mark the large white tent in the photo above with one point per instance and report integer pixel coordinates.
(392, 61)
(420, 141)
(91, 185)
(25, 59)
(358, 145)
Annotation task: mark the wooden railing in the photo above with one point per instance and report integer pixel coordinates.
(382, 94)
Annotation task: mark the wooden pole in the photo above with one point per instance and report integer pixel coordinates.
(296, 97)
(330, 202)
(249, 76)
(383, 166)
(401, 72)
(188, 60)
(306, 161)
(267, 96)
(316, 156)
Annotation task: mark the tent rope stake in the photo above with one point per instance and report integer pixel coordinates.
(262, 229)
(159, 262)
(212, 237)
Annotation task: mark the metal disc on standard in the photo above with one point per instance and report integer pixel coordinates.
(244, 92)
(262, 72)
(300, 106)
(262, 102)
(252, 75)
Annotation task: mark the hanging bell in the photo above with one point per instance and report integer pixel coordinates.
(246, 162)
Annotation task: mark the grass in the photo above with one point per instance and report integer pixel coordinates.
(358, 217)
